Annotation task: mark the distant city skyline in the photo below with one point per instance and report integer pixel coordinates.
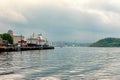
(62, 20)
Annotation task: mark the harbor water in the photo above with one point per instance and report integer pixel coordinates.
(67, 63)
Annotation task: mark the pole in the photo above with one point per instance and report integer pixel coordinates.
(21, 40)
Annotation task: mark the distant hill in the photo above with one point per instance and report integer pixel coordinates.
(107, 42)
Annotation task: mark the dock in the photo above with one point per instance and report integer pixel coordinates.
(9, 49)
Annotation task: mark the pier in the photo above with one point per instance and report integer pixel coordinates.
(9, 49)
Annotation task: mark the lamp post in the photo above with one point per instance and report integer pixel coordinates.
(21, 41)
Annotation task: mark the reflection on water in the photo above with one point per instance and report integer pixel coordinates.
(80, 63)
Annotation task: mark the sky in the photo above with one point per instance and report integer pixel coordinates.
(62, 20)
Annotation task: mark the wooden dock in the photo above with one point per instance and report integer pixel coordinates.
(8, 49)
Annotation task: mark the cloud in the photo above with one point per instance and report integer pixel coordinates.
(12, 16)
(10, 13)
(62, 19)
(16, 11)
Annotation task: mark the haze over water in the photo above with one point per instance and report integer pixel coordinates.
(73, 63)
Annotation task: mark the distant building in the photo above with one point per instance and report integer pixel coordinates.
(34, 39)
(10, 32)
(16, 38)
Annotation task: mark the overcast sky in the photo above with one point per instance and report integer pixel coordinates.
(62, 20)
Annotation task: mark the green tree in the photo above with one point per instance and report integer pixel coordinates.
(7, 37)
(0, 35)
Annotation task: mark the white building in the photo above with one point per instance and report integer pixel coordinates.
(36, 40)
(32, 40)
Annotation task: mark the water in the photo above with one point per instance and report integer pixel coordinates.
(76, 63)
